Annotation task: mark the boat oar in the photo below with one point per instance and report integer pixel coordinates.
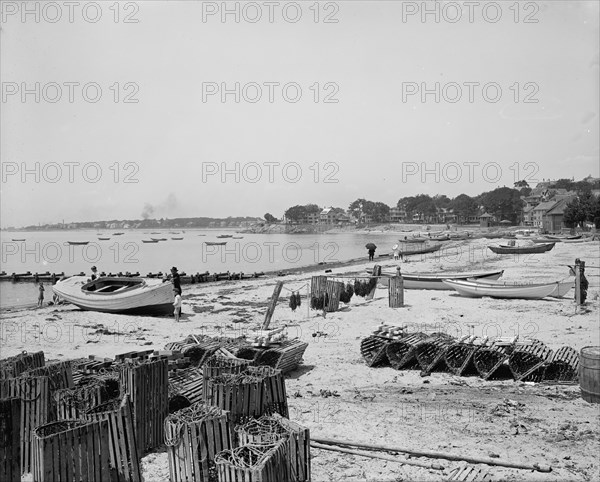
(377, 456)
(435, 455)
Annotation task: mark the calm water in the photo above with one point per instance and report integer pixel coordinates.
(50, 251)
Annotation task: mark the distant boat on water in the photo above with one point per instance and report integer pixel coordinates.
(78, 243)
(149, 240)
(14, 239)
(117, 234)
(225, 236)
(154, 232)
(176, 239)
(158, 239)
(104, 239)
(215, 243)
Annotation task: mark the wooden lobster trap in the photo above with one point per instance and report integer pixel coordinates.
(194, 436)
(185, 388)
(271, 429)
(528, 362)
(254, 463)
(402, 354)
(71, 450)
(10, 440)
(564, 366)
(91, 391)
(147, 384)
(35, 409)
(430, 352)
(285, 357)
(124, 459)
(13, 366)
(492, 362)
(218, 365)
(459, 355)
(373, 349)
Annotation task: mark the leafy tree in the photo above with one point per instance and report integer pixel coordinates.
(575, 213)
(522, 183)
(270, 218)
(380, 212)
(295, 213)
(421, 204)
(464, 206)
(442, 201)
(504, 203)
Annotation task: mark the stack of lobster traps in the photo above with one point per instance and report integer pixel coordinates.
(500, 358)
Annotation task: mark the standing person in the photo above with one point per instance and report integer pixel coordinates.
(41, 295)
(371, 254)
(175, 279)
(177, 305)
(95, 274)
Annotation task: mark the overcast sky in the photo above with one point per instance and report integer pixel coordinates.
(376, 140)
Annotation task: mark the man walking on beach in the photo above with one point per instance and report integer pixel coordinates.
(175, 279)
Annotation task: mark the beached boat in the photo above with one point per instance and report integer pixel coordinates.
(78, 243)
(214, 243)
(433, 281)
(150, 241)
(474, 289)
(561, 288)
(439, 238)
(237, 237)
(424, 250)
(499, 235)
(413, 240)
(534, 249)
(562, 238)
(118, 294)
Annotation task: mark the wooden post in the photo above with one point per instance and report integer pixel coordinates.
(376, 272)
(577, 283)
(272, 304)
(396, 291)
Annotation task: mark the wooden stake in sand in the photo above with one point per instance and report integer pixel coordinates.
(435, 455)
(272, 304)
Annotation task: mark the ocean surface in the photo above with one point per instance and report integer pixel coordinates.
(49, 251)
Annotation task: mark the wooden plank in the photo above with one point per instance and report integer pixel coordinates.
(272, 304)
(104, 450)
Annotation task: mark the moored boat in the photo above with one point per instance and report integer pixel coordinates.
(150, 241)
(117, 234)
(413, 240)
(433, 281)
(176, 239)
(534, 249)
(103, 239)
(225, 236)
(78, 243)
(14, 239)
(213, 243)
(475, 289)
(117, 295)
(158, 239)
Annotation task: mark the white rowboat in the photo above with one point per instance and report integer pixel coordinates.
(118, 295)
(474, 289)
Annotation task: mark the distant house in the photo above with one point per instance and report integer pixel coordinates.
(485, 220)
(553, 218)
(397, 215)
(540, 211)
(528, 215)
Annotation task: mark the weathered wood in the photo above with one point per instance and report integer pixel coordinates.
(396, 291)
(193, 445)
(333, 290)
(13, 366)
(267, 463)
(10, 440)
(376, 274)
(272, 304)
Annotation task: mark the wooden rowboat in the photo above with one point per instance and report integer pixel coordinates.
(562, 238)
(428, 249)
(103, 239)
(413, 240)
(433, 281)
(149, 240)
(562, 287)
(535, 249)
(474, 289)
(78, 243)
(118, 294)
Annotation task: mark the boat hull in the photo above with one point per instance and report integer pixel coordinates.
(431, 281)
(429, 249)
(152, 296)
(562, 287)
(537, 249)
(472, 289)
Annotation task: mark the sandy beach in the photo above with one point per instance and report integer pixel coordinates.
(337, 395)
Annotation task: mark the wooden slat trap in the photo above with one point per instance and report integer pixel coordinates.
(285, 357)
(491, 362)
(373, 349)
(217, 365)
(459, 357)
(528, 362)
(35, 409)
(71, 450)
(402, 353)
(124, 459)
(147, 385)
(254, 463)
(194, 436)
(10, 440)
(271, 429)
(185, 388)
(564, 366)
(430, 352)
(254, 392)
(333, 291)
(13, 366)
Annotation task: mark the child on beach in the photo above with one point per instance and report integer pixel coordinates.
(177, 305)
(41, 295)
